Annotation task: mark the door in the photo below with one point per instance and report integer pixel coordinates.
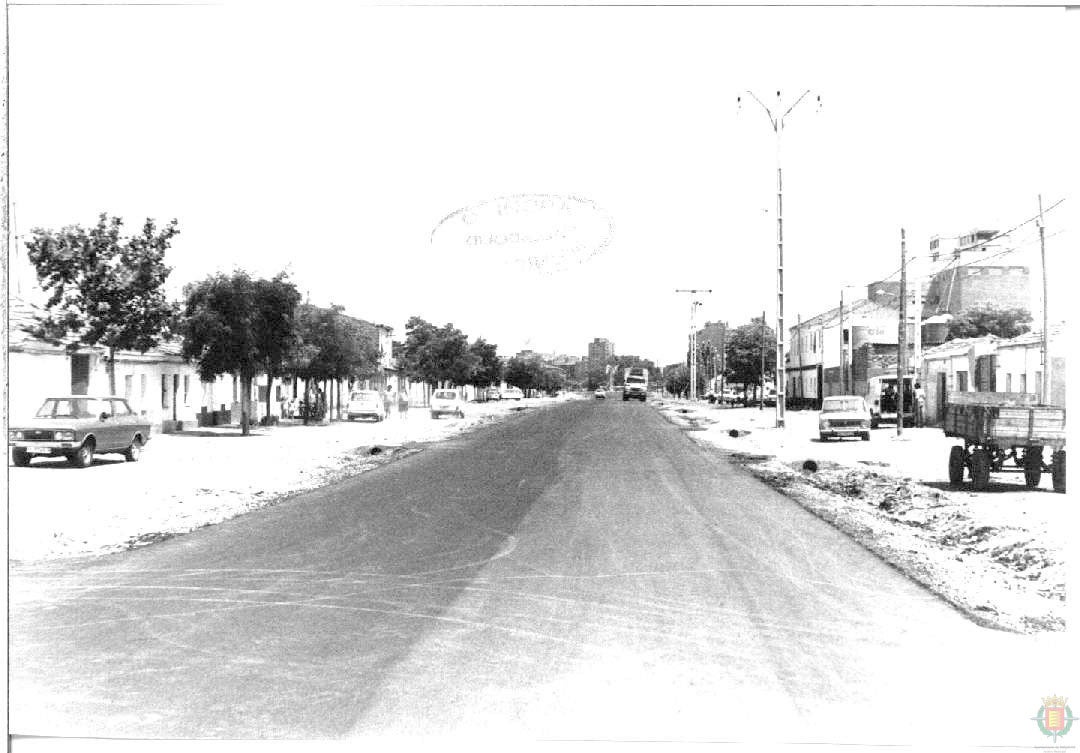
(80, 373)
(941, 386)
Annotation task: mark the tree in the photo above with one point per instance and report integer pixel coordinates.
(743, 353)
(104, 289)
(677, 379)
(489, 367)
(329, 346)
(437, 354)
(275, 325)
(989, 319)
(233, 324)
(521, 373)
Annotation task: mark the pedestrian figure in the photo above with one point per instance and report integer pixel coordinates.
(403, 404)
(920, 404)
(388, 400)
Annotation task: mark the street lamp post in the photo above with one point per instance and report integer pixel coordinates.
(777, 122)
(693, 338)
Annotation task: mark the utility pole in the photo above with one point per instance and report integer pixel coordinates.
(842, 364)
(777, 123)
(1046, 315)
(693, 337)
(798, 350)
(901, 351)
(761, 379)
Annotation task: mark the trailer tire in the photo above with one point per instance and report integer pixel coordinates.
(956, 466)
(1058, 471)
(980, 469)
(1033, 466)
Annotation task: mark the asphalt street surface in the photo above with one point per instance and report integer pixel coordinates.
(582, 571)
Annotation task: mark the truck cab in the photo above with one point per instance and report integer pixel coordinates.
(635, 384)
(883, 397)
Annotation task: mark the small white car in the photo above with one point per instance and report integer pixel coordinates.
(365, 404)
(844, 416)
(513, 393)
(446, 401)
(600, 394)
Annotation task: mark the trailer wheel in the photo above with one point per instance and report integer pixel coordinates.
(956, 466)
(1058, 471)
(980, 469)
(1033, 466)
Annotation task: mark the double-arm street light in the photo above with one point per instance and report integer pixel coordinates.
(777, 122)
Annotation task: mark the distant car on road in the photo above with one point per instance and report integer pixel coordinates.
(600, 394)
(844, 416)
(729, 396)
(492, 393)
(513, 393)
(365, 404)
(446, 401)
(78, 427)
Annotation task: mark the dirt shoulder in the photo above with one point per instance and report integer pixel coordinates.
(998, 555)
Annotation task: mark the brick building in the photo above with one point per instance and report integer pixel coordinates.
(600, 350)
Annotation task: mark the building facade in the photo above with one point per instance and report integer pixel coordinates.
(600, 351)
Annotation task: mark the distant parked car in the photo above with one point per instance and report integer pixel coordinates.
(730, 396)
(513, 393)
(769, 398)
(446, 401)
(365, 404)
(600, 394)
(493, 394)
(844, 416)
(77, 427)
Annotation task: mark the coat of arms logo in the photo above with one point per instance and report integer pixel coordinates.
(1055, 717)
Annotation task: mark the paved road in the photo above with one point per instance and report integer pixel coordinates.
(582, 571)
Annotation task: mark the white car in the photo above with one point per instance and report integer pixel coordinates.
(844, 416)
(600, 394)
(512, 393)
(365, 404)
(446, 401)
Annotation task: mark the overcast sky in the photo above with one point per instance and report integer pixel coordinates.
(363, 149)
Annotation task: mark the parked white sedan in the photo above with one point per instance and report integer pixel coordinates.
(446, 401)
(844, 416)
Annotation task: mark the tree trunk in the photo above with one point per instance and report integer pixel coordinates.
(245, 404)
(307, 401)
(110, 367)
(269, 385)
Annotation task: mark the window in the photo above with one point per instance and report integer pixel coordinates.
(129, 380)
(961, 381)
(847, 335)
(164, 390)
(187, 383)
(142, 386)
(1023, 382)
(1008, 382)
(121, 408)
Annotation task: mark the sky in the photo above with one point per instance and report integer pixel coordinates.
(541, 176)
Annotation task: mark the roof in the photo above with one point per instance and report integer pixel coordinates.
(23, 315)
(1034, 337)
(862, 308)
(958, 346)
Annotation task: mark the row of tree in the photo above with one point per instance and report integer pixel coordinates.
(108, 290)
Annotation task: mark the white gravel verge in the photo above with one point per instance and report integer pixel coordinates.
(998, 555)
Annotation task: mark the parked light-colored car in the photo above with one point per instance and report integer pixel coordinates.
(513, 393)
(365, 404)
(493, 393)
(844, 416)
(78, 427)
(600, 394)
(446, 401)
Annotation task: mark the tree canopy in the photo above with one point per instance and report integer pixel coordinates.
(489, 367)
(437, 354)
(233, 324)
(989, 319)
(743, 353)
(104, 289)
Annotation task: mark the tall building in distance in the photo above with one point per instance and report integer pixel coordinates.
(600, 350)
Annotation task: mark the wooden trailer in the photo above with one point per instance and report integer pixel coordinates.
(1001, 426)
